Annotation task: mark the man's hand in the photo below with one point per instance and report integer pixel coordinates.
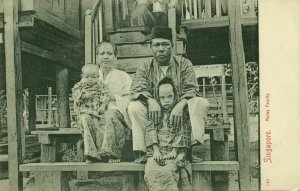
(177, 113)
(154, 110)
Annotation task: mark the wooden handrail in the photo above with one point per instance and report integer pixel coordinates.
(93, 31)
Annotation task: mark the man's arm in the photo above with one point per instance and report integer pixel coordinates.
(189, 85)
(141, 87)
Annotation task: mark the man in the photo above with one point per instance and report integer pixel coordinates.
(144, 109)
(154, 13)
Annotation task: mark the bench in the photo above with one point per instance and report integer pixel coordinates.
(54, 175)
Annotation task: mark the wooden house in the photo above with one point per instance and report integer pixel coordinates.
(47, 42)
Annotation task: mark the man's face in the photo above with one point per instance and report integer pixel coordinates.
(166, 95)
(162, 50)
(106, 57)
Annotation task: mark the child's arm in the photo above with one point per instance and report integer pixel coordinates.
(156, 153)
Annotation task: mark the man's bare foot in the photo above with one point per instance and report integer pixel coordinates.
(141, 160)
(114, 160)
(196, 159)
(90, 159)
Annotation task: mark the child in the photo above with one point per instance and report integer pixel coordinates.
(91, 99)
(163, 139)
(167, 146)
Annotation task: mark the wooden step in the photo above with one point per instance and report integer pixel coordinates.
(142, 50)
(128, 37)
(123, 166)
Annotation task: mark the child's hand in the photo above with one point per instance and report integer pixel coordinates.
(158, 158)
(171, 155)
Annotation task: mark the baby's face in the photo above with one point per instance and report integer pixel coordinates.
(90, 75)
(166, 95)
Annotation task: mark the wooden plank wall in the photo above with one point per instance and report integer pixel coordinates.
(64, 10)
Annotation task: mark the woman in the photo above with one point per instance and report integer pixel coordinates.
(119, 83)
(107, 135)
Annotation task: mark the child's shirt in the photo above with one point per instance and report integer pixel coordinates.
(167, 136)
(93, 104)
(160, 6)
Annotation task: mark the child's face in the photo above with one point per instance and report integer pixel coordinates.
(166, 95)
(90, 75)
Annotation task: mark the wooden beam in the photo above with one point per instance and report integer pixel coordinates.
(123, 166)
(25, 20)
(54, 56)
(240, 94)
(220, 22)
(62, 89)
(14, 92)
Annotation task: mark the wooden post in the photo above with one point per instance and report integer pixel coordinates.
(196, 10)
(49, 106)
(32, 101)
(117, 13)
(108, 16)
(224, 96)
(218, 8)
(2, 67)
(88, 37)
(208, 8)
(63, 97)
(14, 92)
(100, 23)
(172, 25)
(240, 94)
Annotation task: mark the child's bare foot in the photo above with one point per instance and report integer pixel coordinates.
(114, 160)
(196, 159)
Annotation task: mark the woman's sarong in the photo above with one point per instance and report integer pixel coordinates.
(103, 136)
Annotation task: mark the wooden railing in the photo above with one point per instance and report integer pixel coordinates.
(214, 9)
(46, 110)
(94, 31)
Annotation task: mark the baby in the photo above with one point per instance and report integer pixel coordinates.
(90, 95)
(163, 141)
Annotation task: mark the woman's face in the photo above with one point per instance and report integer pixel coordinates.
(106, 57)
(166, 95)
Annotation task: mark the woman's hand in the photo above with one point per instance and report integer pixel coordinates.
(177, 113)
(154, 110)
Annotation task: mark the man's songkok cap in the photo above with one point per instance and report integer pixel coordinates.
(161, 32)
